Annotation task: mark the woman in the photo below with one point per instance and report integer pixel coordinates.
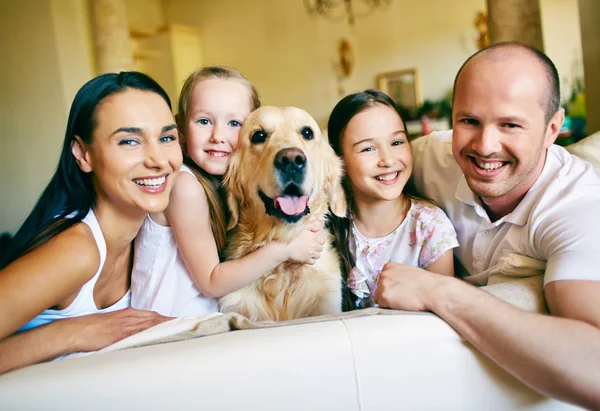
(71, 259)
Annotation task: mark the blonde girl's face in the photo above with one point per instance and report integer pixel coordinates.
(377, 155)
(217, 108)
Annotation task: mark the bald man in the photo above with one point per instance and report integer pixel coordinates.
(508, 189)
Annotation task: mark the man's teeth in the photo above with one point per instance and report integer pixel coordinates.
(217, 153)
(387, 177)
(151, 182)
(489, 166)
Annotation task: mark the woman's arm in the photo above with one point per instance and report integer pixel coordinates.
(77, 334)
(189, 216)
(46, 276)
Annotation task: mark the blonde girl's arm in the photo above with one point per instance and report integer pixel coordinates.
(189, 216)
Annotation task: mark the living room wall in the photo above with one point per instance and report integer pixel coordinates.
(45, 59)
(290, 55)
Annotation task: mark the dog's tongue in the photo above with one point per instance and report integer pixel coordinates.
(292, 205)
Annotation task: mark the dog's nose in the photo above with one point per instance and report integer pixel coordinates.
(290, 160)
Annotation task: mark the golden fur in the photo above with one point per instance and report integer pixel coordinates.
(287, 292)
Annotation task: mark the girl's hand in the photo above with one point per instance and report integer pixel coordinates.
(307, 247)
(96, 331)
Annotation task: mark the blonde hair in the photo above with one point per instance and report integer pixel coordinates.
(212, 187)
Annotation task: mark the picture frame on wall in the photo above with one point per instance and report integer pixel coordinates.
(404, 88)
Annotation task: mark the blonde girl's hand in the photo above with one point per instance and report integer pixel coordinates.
(307, 247)
(96, 331)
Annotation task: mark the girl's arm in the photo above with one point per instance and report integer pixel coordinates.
(440, 239)
(443, 265)
(189, 216)
(77, 334)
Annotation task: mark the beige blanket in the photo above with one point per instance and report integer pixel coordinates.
(515, 279)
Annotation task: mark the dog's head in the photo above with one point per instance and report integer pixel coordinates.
(283, 167)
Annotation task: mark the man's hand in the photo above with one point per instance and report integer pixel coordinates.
(404, 287)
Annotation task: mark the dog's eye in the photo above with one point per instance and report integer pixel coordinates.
(307, 133)
(258, 137)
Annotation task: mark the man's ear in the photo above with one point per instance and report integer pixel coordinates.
(80, 151)
(554, 126)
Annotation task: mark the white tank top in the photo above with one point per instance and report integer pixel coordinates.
(84, 302)
(160, 280)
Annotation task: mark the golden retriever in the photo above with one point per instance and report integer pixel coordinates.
(283, 175)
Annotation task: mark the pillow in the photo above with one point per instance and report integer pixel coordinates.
(588, 149)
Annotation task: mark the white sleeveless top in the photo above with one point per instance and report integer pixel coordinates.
(84, 302)
(160, 280)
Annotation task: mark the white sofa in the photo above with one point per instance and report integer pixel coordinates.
(374, 362)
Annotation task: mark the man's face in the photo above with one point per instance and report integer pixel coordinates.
(500, 132)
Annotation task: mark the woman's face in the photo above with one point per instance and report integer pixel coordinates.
(135, 155)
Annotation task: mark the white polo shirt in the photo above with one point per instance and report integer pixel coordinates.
(557, 221)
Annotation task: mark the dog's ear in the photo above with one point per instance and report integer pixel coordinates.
(233, 186)
(333, 183)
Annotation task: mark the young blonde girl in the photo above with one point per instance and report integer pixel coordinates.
(385, 224)
(177, 271)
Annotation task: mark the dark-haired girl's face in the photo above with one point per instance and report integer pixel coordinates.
(135, 154)
(377, 155)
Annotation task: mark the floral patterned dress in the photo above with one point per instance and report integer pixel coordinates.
(425, 234)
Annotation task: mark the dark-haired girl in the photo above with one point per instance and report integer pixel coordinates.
(385, 224)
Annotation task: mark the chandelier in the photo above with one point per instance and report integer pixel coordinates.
(336, 10)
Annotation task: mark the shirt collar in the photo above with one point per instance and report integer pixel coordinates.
(519, 216)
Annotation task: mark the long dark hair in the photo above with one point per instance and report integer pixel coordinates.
(70, 194)
(341, 115)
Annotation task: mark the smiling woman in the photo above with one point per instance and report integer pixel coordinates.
(64, 286)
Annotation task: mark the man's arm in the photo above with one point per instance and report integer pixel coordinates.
(559, 357)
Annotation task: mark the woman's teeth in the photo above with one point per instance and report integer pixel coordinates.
(151, 182)
(489, 166)
(387, 177)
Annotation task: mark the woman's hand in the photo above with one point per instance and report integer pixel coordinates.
(77, 334)
(96, 331)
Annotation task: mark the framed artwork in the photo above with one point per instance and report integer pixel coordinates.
(404, 88)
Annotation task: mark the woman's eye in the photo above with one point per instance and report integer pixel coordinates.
(258, 137)
(167, 139)
(235, 123)
(128, 142)
(203, 121)
(307, 133)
